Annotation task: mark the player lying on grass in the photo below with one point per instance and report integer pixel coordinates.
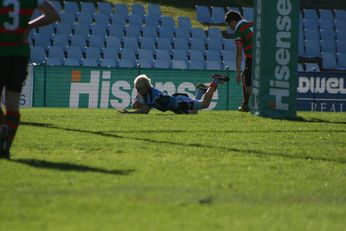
(149, 97)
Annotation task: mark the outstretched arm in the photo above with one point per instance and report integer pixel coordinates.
(143, 109)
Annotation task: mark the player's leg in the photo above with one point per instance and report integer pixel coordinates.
(217, 79)
(246, 79)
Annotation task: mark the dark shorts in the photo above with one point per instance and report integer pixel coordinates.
(247, 72)
(13, 72)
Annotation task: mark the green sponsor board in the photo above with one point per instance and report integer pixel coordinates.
(275, 53)
(113, 88)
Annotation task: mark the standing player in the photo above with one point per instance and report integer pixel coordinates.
(149, 97)
(243, 31)
(14, 55)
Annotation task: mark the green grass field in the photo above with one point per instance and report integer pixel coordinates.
(83, 169)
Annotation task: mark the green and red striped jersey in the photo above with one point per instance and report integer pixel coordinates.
(243, 33)
(14, 18)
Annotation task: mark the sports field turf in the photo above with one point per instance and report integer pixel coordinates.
(83, 169)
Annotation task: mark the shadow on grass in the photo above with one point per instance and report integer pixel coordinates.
(315, 120)
(192, 145)
(69, 167)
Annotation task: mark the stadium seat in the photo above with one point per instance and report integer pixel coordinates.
(310, 67)
(310, 14)
(203, 14)
(329, 61)
(182, 33)
(99, 29)
(229, 65)
(328, 34)
(119, 20)
(121, 8)
(61, 40)
(215, 33)
(217, 15)
(96, 41)
(181, 44)
(197, 44)
(197, 55)
(70, 6)
(312, 35)
(149, 31)
(43, 40)
(108, 63)
(229, 45)
(78, 41)
(135, 20)
(82, 30)
(93, 53)
(105, 8)
(145, 63)
(341, 46)
(341, 35)
(154, 9)
(312, 48)
(161, 64)
(85, 18)
(71, 62)
(38, 54)
(184, 22)
(53, 62)
(180, 55)
(163, 55)
(179, 64)
(131, 43)
(310, 24)
(300, 67)
(138, 9)
(326, 14)
(198, 33)
(328, 46)
(148, 43)
(56, 52)
(212, 65)
(89, 62)
(229, 57)
(248, 13)
(74, 52)
(152, 20)
(213, 55)
(110, 53)
(340, 15)
(63, 28)
(127, 54)
(166, 32)
(115, 30)
(167, 21)
(145, 54)
(67, 17)
(341, 61)
(326, 24)
(87, 7)
(165, 44)
(113, 42)
(127, 63)
(133, 31)
(214, 44)
(196, 65)
(102, 18)
(340, 25)
(49, 29)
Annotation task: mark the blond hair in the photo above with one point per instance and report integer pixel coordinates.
(142, 81)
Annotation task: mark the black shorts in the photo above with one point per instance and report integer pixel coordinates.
(13, 72)
(247, 72)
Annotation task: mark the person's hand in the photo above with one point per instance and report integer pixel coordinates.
(238, 78)
(123, 111)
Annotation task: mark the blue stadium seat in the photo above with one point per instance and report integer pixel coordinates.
(71, 62)
(38, 54)
(138, 9)
(165, 44)
(85, 18)
(198, 33)
(53, 62)
(118, 19)
(81, 29)
(74, 52)
(133, 31)
(161, 64)
(312, 48)
(196, 65)
(181, 44)
(310, 67)
(96, 41)
(152, 20)
(203, 14)
(300, 67)
(310, 14)
(163, 55)
(108, 63)
(180, 55)
(212, 55)
(127, 63)
(340, 25)
(87, 7)
(67, 17)
(145, 54)
(121, 8)
(326, 14)
(341, 35)
(63, 28)
(128, 54)
(70, 6)
(114, 30)
(215, 33)
(212, 65)
(131, 43)
(217, 15)
(154, 9)
(110, 53)
(229, 45)
(99, 29)
(214, 44)
(229, 57)
(229, 65)
(101, 18)
(148, 43)
(89, 62)
(49, 29)
(144, 63)
(328, 34)
(197, 44)
(93, 53)
(310, 24)
(179, 64)
(326, 24)
(56, 52)
(182, 33)
(329, 61)
(341, 46)
(78, 41)
(43, 40)
(149, 31)
(61, 40)
(197, 55)
(340, 15)
(328, 46)
(312, 35)
(105, 8)
(113, 42)
(341, 61)
(166, 32)
(167, 21)
(248, 13)
(135, 20)
(184, 22)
